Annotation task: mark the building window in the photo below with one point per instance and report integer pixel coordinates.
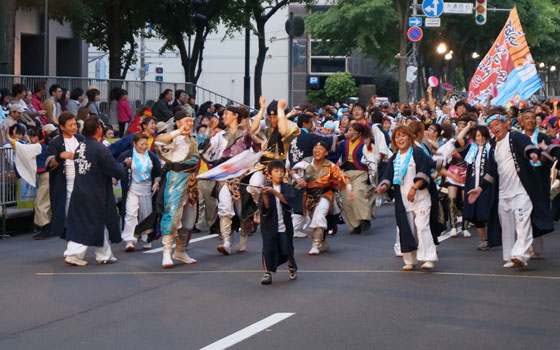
(327, 65)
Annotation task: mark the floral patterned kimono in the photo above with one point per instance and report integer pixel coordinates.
(180, 188)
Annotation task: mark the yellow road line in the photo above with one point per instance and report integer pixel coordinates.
(467, 274)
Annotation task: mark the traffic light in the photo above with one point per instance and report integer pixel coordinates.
(298, 54)
(411, 74)
(198, 17)
(480, 12)
(159, 73)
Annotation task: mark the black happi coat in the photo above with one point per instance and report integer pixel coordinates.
(92, 205)
(553, 151)
(521, 147)
(157, 172)
(543, 172)
(302, 147)
(479, 210)
(424, 164)
(277, 249)
(57, 185)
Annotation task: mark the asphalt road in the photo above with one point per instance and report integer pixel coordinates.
(353, 297)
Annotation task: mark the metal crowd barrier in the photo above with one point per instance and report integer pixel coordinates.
(8, 184)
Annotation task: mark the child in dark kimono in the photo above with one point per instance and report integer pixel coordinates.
(276, 223)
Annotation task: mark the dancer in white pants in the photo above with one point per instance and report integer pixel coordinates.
(520, 214)
(320, 178)
(408, 171)
(92, 219)
(141, 183)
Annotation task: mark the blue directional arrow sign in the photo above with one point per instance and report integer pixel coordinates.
(432, 8)
(415, 21)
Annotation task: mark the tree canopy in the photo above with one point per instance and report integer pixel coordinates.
(376, 28)
(172, 21)
(110, 25)
(340, 86)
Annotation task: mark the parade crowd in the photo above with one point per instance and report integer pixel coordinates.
(447, 166)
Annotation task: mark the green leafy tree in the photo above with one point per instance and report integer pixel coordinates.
(387, 86)
(172, 20)
(340, 86)
(377, 28)
(110, 25)
(317, 97)
(261, 12)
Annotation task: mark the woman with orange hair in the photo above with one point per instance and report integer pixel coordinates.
(136, 124)
(408, 172)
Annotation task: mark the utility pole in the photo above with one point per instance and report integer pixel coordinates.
(46, 42)
(142, 57)
(143, 64)
(247, 77)
(414, 56)
(189, 43)
(291, 60)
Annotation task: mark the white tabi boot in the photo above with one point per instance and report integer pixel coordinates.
(225, 228)
(167, 241)
(317, 238)
(243, 235)
(181, 243)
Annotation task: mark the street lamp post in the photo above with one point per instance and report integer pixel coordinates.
(475, 56)
(46, 40)
(448, 57)
(441, 49)
(554, 82)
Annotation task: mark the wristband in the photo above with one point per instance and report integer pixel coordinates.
(349, 187)
(175, 133)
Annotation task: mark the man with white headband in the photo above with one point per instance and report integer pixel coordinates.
(521, 214)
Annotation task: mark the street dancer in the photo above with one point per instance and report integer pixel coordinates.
(92, 214)
(276, 223)
(60, 164)
(358, 160)
(233, 199)
(277, 132)
(408, 171)
(179, 150)
(528, 122)
(320, 178)
(143, 175)
(477, 156)
(521, 213)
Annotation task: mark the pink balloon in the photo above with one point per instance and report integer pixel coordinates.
(448, 87)
(433, 81)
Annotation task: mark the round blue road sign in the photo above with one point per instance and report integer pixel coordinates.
(432, 8)
(415, 33)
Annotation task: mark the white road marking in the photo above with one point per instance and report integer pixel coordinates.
(443, 237)
(194, 240)
(248, 332)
